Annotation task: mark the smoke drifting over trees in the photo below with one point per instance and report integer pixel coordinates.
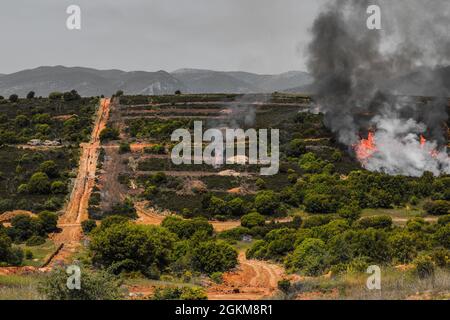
(356, 68)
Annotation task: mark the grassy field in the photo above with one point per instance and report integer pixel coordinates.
(19, 287)
(395, 285)
(40, 253)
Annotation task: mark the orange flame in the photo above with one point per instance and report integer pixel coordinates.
(434, 153)
(366, 147)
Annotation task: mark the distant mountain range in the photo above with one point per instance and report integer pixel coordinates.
(92, 82)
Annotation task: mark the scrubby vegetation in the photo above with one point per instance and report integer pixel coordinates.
(338, 244)
(178, 245)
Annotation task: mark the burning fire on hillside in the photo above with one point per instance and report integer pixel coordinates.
(379, 152)
(360, 80)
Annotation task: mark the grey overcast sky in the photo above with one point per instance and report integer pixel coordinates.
(262, 36)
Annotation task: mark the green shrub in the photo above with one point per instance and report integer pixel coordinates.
(48, 221)
(319, 203)
(267, 202)
(403, 246)
(443, 220)
(185, 229)
(49, 168)
(14, 98)
(316, 221)
(95, 285)
(284, 286)
(39, 183)
(424, 266)
(260, 184)
(58, 187)
(351, 212)
(128, 247)
(109, 134)
(438, 207)
(377, 222)
(210, 257)
(310, 258)
(28, 254)
(217, 277)
(252, 220)
(442, 236)
(35, 241)
(55, 96)
(88, 226)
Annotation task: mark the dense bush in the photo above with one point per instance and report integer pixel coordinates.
(8, 255)
(126, 208)
(39, 183)
(128, 247)
(424, 266)
(48, 221)
(210, 257)
(35, 241)
(378, 222)
(88, 226)
(185, 229)
(268, 203)
(252, 220)
(13, 98)
(121, 246)
(95, 285)
(309, 258)
(109, 134)
(438, 207)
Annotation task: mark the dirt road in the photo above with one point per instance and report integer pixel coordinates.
(149, 216)
(76, 210)
(252, 280)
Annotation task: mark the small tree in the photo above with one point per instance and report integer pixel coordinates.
(48, 221)
(13, 98)
(30, 95)
(438, 207)
(98, 285)
(88, 226)
(212, 256)
(49, 168)
(109, 134)
(39, 183)
(58, 187)
(424, 266)
(284, 286)
(253, 219)
(311, 258)
(55, 96)
(267, 202)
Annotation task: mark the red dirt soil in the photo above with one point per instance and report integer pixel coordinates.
(252, 280)
(76, 211)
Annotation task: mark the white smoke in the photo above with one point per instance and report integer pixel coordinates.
(400, 151)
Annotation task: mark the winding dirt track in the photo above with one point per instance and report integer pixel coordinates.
(149, 216)
(251, 280)
(76, 210)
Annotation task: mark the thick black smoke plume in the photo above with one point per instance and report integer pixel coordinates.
(365, 80)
